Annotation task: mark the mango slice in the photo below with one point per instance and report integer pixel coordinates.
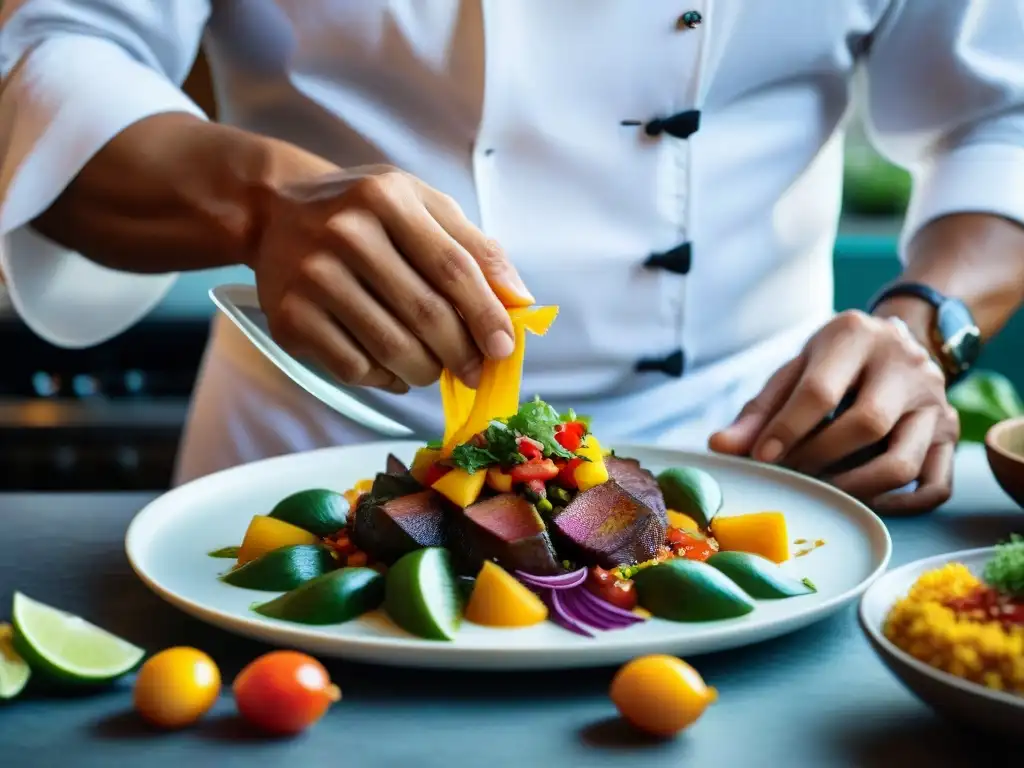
(592, 472)
(760, 533)
(265, 534)
(500, 382)
(460, 487)
(499, 600)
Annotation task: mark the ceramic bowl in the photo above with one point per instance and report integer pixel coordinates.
(960, 700)
(1004, 447)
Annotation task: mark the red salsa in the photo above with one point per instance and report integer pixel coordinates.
(987, 604)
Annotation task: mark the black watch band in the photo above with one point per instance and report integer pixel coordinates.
(955, 333)
(917, 290)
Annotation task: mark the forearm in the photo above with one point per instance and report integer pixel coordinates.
(172, 193)
(977, 258)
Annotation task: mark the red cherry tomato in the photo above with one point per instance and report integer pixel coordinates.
(688, 546)
(536, 469)
(610, 588)
(284, 692)
(569, 435)
(567, 473)
(530, 448)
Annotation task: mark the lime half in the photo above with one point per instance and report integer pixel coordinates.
(69, 648)
(14, 672)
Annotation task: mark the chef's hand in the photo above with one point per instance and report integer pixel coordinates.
(900, 394)
(382, 280)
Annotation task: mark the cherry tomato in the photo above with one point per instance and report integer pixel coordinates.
(660, 695)
(530, 448)
(434, 473)
(569, 435)
(567, 473)
(176, 687)
(610, 588)
(284, 692)
(535, 469)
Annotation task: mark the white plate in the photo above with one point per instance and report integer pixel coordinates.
(959, 699)
(168, 542)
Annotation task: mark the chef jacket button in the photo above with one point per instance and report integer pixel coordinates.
(672, 365)
(677, 260)
(682, 125)
(689, 20)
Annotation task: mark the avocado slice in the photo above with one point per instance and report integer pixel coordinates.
(758, 576)
(689, 590)
(282, 569)
(316, 510)
(333, 598)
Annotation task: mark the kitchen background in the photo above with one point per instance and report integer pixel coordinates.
(110, 417)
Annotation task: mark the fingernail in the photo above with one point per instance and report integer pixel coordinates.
(770, 451)
(499, 345)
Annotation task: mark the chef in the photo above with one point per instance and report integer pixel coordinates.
(395, 171)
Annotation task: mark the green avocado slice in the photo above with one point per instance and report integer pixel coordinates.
(333, 598)
(689, 590)
(317, 510)
(691, 491)
(283, 569)
(758, 576)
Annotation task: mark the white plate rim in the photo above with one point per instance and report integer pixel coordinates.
(921, 566)
(398, 651)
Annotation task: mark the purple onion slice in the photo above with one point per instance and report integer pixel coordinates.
(562, 581)
(564, 618)
(604, 608)
(585, 614)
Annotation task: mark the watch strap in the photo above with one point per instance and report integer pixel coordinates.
(916, 290)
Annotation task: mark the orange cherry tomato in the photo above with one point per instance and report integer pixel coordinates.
(284, 692)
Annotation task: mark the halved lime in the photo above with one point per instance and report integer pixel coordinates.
(14, 672)
(67, 647)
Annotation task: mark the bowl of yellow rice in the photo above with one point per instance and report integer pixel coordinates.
(951, 628)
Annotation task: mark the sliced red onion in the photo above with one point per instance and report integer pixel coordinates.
(564, 618)
(604, 608)
(562, 581)
(585, 614)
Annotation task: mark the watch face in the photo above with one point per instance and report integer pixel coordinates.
(961, 339)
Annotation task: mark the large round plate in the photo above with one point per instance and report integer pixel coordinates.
(168, 542)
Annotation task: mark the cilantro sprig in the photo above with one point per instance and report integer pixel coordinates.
(1005, 570)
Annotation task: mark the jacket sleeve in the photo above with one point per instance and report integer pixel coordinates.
(946, 102)
(75, 74)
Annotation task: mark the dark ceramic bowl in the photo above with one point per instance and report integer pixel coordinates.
(1004, 446)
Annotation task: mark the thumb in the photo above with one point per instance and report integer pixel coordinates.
(739, 437)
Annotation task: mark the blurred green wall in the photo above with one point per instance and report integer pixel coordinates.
(865, 260)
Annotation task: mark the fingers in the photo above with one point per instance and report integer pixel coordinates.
(738, 438)
(369, 253)
(441, 260)
(834, 366)
(934, 488)
(903, 463)
(497, 268)
(877, 408)
(377, 331)
(303, 330)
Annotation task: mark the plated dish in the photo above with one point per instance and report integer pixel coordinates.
(516, 539)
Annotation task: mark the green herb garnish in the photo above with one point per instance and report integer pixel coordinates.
(472, 458)
(1005, 570)
(538, 420)
(435, 445)
(225, 552)
(809, 584)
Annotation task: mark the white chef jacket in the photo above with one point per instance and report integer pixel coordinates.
(674, 188)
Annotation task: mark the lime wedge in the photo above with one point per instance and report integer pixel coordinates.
(14, 672)
(69, 648)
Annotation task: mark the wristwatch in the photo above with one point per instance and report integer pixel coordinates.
(956, 337)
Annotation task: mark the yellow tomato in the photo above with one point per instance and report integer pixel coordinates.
(176, 687)
(660, 695)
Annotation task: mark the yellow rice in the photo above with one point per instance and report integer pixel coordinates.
(981, 651)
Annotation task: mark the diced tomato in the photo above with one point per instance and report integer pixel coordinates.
(535, 469)
(987, 604)
(435, 473)
(610, 588)
(688, 546)
(530, 448)
(568, 436)
(567, 473)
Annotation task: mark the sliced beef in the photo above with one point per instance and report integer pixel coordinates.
(638, 481)
(506, 529)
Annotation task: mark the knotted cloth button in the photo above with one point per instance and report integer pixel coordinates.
(682, 125)
(689, 20)
(672, 365)
(677, 260)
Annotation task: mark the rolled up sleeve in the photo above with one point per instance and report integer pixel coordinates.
(946, 102)
(77, 73)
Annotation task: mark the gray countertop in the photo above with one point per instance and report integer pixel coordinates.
(817, 698)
